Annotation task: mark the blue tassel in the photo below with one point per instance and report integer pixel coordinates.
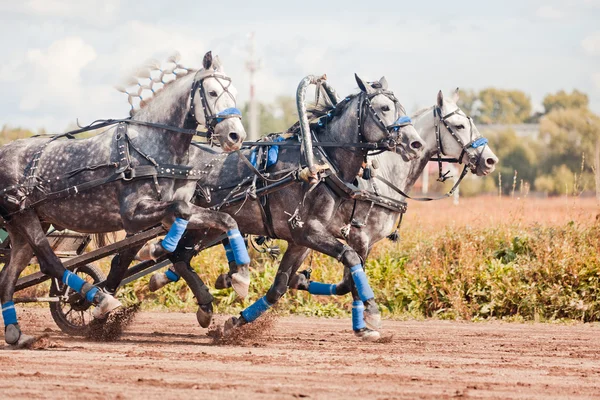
(236, 241)
(323, 289)
(358, 317)
(9, 313)
(256, 310)
(177, 230)
(362, 283)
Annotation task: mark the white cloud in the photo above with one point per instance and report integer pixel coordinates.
(591, 44)
(596, 79)
(548, 12)
(84, 10)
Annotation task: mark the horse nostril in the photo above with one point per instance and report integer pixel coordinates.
(234, 137)
(416, 145)
(490, 161)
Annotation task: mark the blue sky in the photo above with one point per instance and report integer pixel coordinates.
(61, 59)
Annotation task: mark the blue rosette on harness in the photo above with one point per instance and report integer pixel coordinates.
(399, 123)
(272, 153)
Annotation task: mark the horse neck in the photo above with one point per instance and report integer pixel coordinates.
(344, 129)
(404, 174)
(169, 107)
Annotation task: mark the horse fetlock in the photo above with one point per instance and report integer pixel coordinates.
(223, 281)
(299, 282)
(204, 314)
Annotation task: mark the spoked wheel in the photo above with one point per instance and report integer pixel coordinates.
(72, 313)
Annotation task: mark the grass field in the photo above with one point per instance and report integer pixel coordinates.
(488, 257)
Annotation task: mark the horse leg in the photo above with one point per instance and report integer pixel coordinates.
(291, 261)
(183, 215)
(238, 276)
(181, 259)
(30, 227)
(118, 268)
(20, 256)
(315, 236)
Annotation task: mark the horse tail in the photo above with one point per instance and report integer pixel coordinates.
(103, 239)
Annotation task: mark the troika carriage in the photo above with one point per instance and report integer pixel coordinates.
(320, 186)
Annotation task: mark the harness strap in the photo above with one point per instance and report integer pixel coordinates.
(400, 192)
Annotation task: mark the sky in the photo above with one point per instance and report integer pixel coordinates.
(62, 58)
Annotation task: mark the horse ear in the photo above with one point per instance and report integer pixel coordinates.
(365, 87)
(440, 99)
(384, 83)
(217, 64)
(456, 95)
(208, 60)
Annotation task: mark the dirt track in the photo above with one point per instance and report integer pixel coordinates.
(166, 355)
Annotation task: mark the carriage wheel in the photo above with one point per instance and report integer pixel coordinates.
(72, 313)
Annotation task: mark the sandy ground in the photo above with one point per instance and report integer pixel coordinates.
(166, 355)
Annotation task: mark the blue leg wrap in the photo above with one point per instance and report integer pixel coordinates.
(89, 296)
(73, 281)
(324, 289)
(229, 252)
(177, 230)
(236, 241)
(362, 283)
(256, 310)
(76, 283)
(9, 313)
(358, 318)
(172, 276)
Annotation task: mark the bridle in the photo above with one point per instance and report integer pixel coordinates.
(470, 148)
(393, 132)
(211, 118)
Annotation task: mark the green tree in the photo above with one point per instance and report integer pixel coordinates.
(497, 106)
(562, 99)
(515, 154)
(274, 117)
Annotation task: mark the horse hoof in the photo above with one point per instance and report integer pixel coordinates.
(373, 321)
(204, 316)
(158, 281)
(223, 281)
(368, 335)
(231, 324)
(240, 284)
(146, 252)
(105, 304)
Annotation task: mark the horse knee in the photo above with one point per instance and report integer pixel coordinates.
(349, 257)
(278, 288)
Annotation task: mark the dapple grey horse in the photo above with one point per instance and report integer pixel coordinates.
(132, 177)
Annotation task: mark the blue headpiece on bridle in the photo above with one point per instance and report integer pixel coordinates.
(228, 113)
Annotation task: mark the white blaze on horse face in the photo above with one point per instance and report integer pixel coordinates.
(466, 130)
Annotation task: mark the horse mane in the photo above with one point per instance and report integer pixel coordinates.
(421, 112)
(150, 80)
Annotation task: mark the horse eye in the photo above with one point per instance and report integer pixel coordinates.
(213, 93)
(460, 126)
(385, 108)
